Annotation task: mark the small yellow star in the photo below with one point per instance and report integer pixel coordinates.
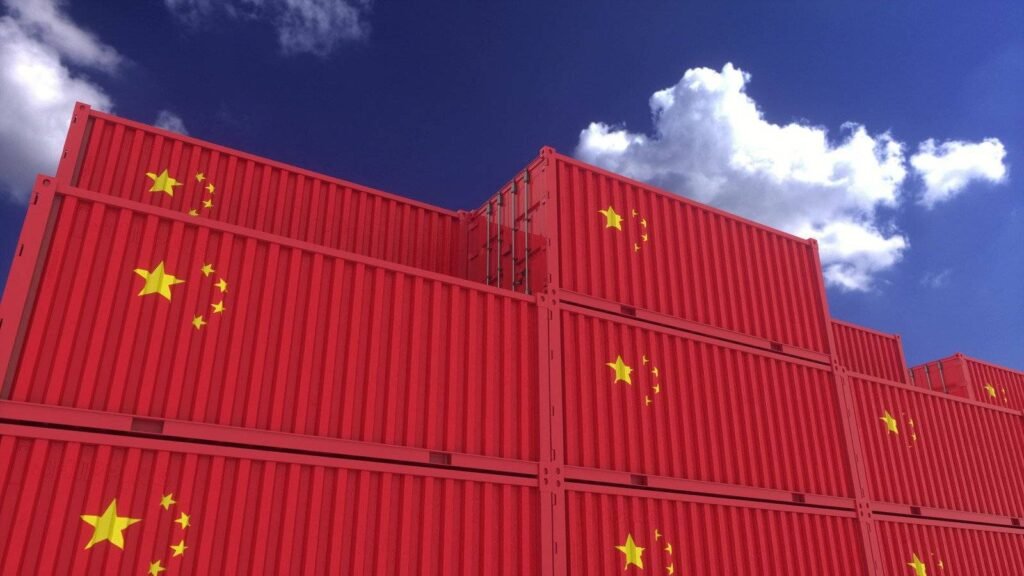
(179, 549)
(218, 308)
(198, 322)
(656, 373)
(622, 371)
(643, 222)
(207, 203)
(991, 390)
(193, 212)
(210, 188)
(668, 548)
(207, 269)
(222, 285)
(634, 553)
(644, 236)
(185, 520)
(158, 281)
(920, 569)
(647, 400)
(167, 501)
(644, 359)
(657, 388)
(108, 526)
(612, 218)
(162, 183)
(657, 534)
(671, 568)
(156, 568)
(636, 247)
(891, 425)
(200, 177)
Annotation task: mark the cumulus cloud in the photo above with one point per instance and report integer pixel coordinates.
(949, 167)
(170, 121)
(712, 143)
(303, 26)
(37, 43)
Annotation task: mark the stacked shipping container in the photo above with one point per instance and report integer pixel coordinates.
(215, 363)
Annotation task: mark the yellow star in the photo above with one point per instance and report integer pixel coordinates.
(222, 284)
(656, 373)
(920, 569)
(207, 269)
(612, 218)
(156, 568)
(210, 188)
(636, 247)
(193, 212)
(207, 203)
(634, 213)
(218, 307)
(643, 222)
(634, 553)
(200, 177)
(657, 534)
(108, 526)
(671, 569)
(198, 322)
(644, 359)
(622, 371)
(657, 388)
(991, 390)
(647, 400)
(891, 425)
(179, 549)
(167, 501)
(184, 520)
(158, 281)
(668, 548)
(644, 236)
(162, 183)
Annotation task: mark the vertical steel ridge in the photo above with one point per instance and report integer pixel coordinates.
(865, 351)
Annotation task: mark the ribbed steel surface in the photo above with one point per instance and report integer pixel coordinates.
(698, 409)
(689, 261)
(260, 194)
(697, 537)
(996, 384)
(309, 340)
(869, 352)
(945, 548)
(249, 512)
(948, 376)
(929, 449)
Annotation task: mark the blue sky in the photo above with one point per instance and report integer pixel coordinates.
(444, 101)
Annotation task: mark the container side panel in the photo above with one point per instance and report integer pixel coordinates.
(996, 385)
(143, 164)
(616, 534)
(69, 507)
(925, 449)
(658, 402)
(949, 549)
(157, 317)
(867, 352)
(630, 244)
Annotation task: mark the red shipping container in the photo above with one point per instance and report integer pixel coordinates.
(143, 311)
(869, 352)
(927, 449)
(82, 503)
(125, 159)
(615, 530)
(654, 401)
(947, 548)
(973, 378)
(609, 242)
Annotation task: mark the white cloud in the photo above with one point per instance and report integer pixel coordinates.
(936, 279)
(39, 89)
(712, 143)
(170, 121)
(303, 26)
(949, 167)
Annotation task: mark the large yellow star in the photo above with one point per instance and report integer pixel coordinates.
(162, 182)
(634, 553)
(920, 569)
(891, 425)
(158, 281)
(612, 218)
(622, 371)
(108, 526)
(179, 549)
(991, 390)
(156, 568)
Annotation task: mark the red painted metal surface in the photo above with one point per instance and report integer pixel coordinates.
(948, 376)
(687, 406)
(628, 244)
(946, 548)
(111, 155)
(937, 451)
(250, 511)
(966, 376)
(869, 352)
(310, 341)
(698, 536)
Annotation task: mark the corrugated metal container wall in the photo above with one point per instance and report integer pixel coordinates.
(928, 449)
(696, 536)
(308, 341)
(628, 244)
(249, 512)
(945, 548)
(661, 402)
(110, 155)
(948, 376)
(996, 385)
(869, 352)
